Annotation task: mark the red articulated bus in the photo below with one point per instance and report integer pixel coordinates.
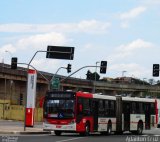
(82, 112)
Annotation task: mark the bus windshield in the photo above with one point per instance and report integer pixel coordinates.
(59, 109)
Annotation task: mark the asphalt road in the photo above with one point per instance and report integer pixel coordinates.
(148, 136)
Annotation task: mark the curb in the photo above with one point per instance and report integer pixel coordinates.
(24, 133)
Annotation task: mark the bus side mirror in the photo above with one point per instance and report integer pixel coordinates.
(80, 107)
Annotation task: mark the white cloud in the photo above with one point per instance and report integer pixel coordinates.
(7, 47)
(26, 47)
(85, 26)
(133, 13)
(123, 56)
(151, 2)
(93, 26)
(125, 24)
(134, 45)
(124, 51)
(38, 41)
(46, 65)
(132, 70)
(126, 17)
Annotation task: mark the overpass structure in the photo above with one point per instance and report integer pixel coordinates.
(111, 88)
(13, 85)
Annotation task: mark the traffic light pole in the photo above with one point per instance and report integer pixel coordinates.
(78, 71)
(36, 70)
(94, 88)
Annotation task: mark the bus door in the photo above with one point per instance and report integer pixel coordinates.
(147, 116)
(95, 114)
(126, 112)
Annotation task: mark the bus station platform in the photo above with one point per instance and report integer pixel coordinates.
(17, 127)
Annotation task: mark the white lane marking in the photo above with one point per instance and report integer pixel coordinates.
(69, 139)
(156, 135)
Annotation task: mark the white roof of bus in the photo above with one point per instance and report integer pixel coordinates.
(138, 99)
(103, 96)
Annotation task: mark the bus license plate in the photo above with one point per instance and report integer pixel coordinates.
(58, 126)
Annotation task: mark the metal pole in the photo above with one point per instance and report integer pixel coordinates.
(26, 100)
(77, 71)
(5, 93)
(122, 82)
(36, 70)
(94, 87)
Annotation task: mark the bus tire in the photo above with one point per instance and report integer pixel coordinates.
(109, 128)
(140, 128)
(87, 130)
(57, 133)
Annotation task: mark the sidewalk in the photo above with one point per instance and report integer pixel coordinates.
(17, 127)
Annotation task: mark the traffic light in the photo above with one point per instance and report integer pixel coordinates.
(155, 70)
(89, 75)
(14, 63)
(103, 67)
(69, 68)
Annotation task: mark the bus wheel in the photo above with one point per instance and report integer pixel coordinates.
(140, 129)
(87, 130)
(57, 133)
(109, 129)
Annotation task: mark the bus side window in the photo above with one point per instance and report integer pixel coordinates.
(141, 108)
(101, 108)
(137, 108)
(133, 109)
(86, 107)
(112, 108)
(106, 108)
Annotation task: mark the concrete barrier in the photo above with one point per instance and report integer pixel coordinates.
(16, 112)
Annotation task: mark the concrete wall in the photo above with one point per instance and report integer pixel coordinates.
(16, 112)
(15, 91)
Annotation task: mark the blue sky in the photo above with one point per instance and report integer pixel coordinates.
(125, 33)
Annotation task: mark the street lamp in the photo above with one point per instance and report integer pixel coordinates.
(143, 80)
(122, 81)
(11, 81)
(123, 73)
(9, 53)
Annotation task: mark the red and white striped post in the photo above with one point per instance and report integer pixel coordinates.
(31, 96)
